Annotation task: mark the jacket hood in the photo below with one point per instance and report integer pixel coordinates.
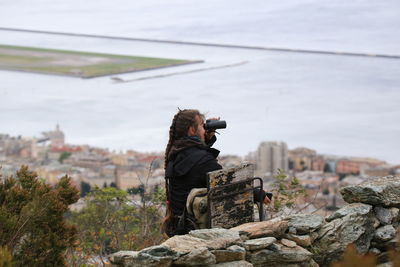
(185, 153)
(184, 143)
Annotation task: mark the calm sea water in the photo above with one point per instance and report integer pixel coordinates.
(334, 104)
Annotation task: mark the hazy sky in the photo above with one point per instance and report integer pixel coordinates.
(334, 104)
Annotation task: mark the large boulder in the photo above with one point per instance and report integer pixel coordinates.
(197, 257)
(280, 255)
(357, 209)
(259, 243)
(275, 228)
(204, 238)
(305, 223)
(383, 191)
(156, 256)
(232, 253)
(384, 233)
(386, 215)
(302, 240)
(355, 224)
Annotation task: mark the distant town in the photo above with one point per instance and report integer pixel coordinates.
(51, 158)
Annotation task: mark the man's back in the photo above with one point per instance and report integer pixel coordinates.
(188, 170)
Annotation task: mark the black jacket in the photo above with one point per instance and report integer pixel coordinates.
(187, 169)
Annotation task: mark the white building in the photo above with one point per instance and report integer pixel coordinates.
(270, 157)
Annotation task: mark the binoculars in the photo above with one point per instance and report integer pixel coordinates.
(214, 124)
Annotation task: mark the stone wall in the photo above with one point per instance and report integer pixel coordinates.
(370, 222)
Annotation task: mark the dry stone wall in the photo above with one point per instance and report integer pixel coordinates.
(370, 222)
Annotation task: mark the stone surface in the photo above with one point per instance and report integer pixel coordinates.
(204, 238)
(288, 243)
(259, 243)
(305, 223)
(396, 215)
(333, 237)
(384, 258)
(384, 215)
(385, 233)
(383, 191)
(120, 256)
(374, 251)
(301, 240)
(184, 243)
(233, 264)
(200, 256)
(275, 228)
(358, 209)
(156, 256)
(279, 255)
(232, 253)
(230, 236)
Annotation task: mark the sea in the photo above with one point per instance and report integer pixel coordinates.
(345, 102)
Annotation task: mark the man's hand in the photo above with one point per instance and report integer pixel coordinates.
(209, 135)
(267, 200)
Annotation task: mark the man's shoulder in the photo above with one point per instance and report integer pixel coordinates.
(198, 152)
(191, 157)
(192, 154)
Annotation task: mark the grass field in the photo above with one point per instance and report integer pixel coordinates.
(77, 64)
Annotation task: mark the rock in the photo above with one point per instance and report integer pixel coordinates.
(279, 255)
(384, 215)
(301, 240)
(374, 251)
(333, 237)
(236, 248)
(156, 256)
(396, 215)
(120, 256)
(259, 243)
(384, 258)
(159, 251)
(233, 264)
(232, 253)
(275, 228)
(384, 233)
(358, 209)
(305, 223)
(383, 191)
(244, 235)
(204, 238)
(288, 243)
(229, 236)
(292, 230)
(376, 222)
(199, 256)
(184, 243)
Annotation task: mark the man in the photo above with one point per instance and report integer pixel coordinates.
(188, 158)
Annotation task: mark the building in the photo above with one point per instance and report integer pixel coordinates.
(301, 158)
(356, 165)
(56, 137)
(270, 157)
(318, 163)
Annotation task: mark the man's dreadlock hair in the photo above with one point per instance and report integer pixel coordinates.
(180, 125)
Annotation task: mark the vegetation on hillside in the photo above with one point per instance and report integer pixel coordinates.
(33, 230)
(111, 221)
